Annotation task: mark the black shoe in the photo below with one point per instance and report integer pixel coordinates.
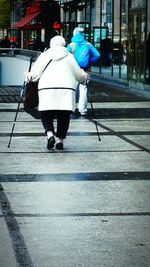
(51, 142)
(59, 146)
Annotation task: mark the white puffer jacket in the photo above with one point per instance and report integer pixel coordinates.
(58, 82)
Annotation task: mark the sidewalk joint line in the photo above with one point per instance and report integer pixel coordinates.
(20, 249)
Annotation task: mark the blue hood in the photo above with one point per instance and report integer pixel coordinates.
(78, 38)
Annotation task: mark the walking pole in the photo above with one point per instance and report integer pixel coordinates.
(94, 117)
(95, 121)
(15, 119)
(14, 123)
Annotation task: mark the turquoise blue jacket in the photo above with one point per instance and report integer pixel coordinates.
(94, 55)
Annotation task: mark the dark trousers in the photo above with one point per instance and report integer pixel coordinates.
(63, 119)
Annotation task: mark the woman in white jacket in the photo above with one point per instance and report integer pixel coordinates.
(56, 89)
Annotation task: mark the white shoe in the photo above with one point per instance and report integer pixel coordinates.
(83, 113)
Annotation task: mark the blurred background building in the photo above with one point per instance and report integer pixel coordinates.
(34, 21)
(119, 29)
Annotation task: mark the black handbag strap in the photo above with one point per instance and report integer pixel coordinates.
(43, 69)
(47, 65)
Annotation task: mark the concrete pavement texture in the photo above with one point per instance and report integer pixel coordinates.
(88, 205)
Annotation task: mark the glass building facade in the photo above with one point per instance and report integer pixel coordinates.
(32, 20)
(119, 29)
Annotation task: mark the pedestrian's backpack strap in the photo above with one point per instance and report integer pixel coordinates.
(72, 47)
(81, 52)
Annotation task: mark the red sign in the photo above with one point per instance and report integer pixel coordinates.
(57, 25)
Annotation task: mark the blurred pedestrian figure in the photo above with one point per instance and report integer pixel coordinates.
(37, 45)
(85, 54)
(5, 43)
(106, 51)
(57, 87)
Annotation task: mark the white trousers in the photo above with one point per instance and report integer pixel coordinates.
(82, 104)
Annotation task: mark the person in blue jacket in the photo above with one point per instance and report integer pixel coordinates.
(85, 54)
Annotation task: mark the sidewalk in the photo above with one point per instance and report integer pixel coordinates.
(88, 205)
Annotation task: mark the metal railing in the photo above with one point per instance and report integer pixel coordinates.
(14, 61)
(17, 51)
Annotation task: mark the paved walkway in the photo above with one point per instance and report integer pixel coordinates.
(88, 205)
